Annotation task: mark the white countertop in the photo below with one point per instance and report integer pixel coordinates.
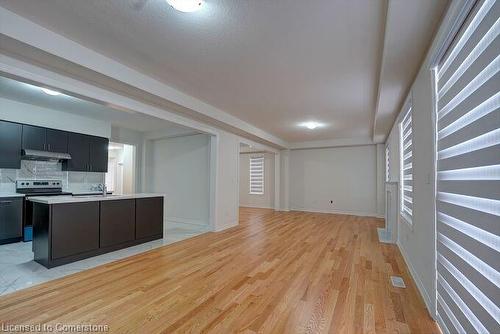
(11, 195)
(89, 198)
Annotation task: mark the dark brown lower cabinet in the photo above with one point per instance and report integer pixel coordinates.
(11, 219)
(64, 233)
(149, 217)
(117, 222)
(75, 228)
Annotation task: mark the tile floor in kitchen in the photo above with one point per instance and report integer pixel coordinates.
(19, 271)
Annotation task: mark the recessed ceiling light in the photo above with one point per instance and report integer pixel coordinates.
(186, 6)
(311, 125)
(50, 92)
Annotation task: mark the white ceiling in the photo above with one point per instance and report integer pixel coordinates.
(271, 63)
(29, 94)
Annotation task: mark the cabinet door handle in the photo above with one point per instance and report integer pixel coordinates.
(5, 202)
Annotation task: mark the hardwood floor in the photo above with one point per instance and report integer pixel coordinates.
(290, 272)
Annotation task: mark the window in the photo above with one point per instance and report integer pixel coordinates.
(468, 176)
(387, 164)
(406, 165)
(257, 175)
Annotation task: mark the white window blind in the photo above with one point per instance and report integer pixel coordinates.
(257, 175)
(406, 165)
(468, 176)
(387, 164)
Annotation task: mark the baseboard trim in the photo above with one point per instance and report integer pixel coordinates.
(420, 286)
(172, 225)
(338, 212)
(256, 206)
(186, 221)
(222, 228)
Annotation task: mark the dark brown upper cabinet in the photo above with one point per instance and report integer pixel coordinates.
(34, 138)
(79, 149)
(43, 139)
(98, 154)
(88, 153)
(57, 141)
(10, 145)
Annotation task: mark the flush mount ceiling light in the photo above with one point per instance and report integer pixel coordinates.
(50, 92)
(311, 125)
(186, 6)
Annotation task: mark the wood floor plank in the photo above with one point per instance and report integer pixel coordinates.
(276, 272)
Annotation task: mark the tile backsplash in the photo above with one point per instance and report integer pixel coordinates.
(32, 170)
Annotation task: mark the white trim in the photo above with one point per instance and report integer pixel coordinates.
(420, 286)
(255, 206)
(331, 143)
(225, 227)
(338, 212)
(187, 221)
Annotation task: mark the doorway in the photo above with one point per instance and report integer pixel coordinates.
(120, 178)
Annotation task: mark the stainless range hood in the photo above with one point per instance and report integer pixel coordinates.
(44, 155)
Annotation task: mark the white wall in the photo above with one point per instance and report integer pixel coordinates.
(380, 180)
(418, 241)
(284, 180)
(179, 168)
(265, 200)
(226, 210)
(345, 175)
(31, 114)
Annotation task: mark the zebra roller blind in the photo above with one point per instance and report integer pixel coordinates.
(468, 176)
(387, 164)
(406, 165)
(257, 175)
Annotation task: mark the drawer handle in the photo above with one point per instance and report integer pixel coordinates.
(5, 202)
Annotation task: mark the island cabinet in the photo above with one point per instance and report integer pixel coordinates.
(149, 217)
(75, 229)
(117, 222)
(77, 235)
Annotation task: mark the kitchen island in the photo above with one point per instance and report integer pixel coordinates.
(72, 228)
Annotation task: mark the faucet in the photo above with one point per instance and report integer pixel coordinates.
(102, 187)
